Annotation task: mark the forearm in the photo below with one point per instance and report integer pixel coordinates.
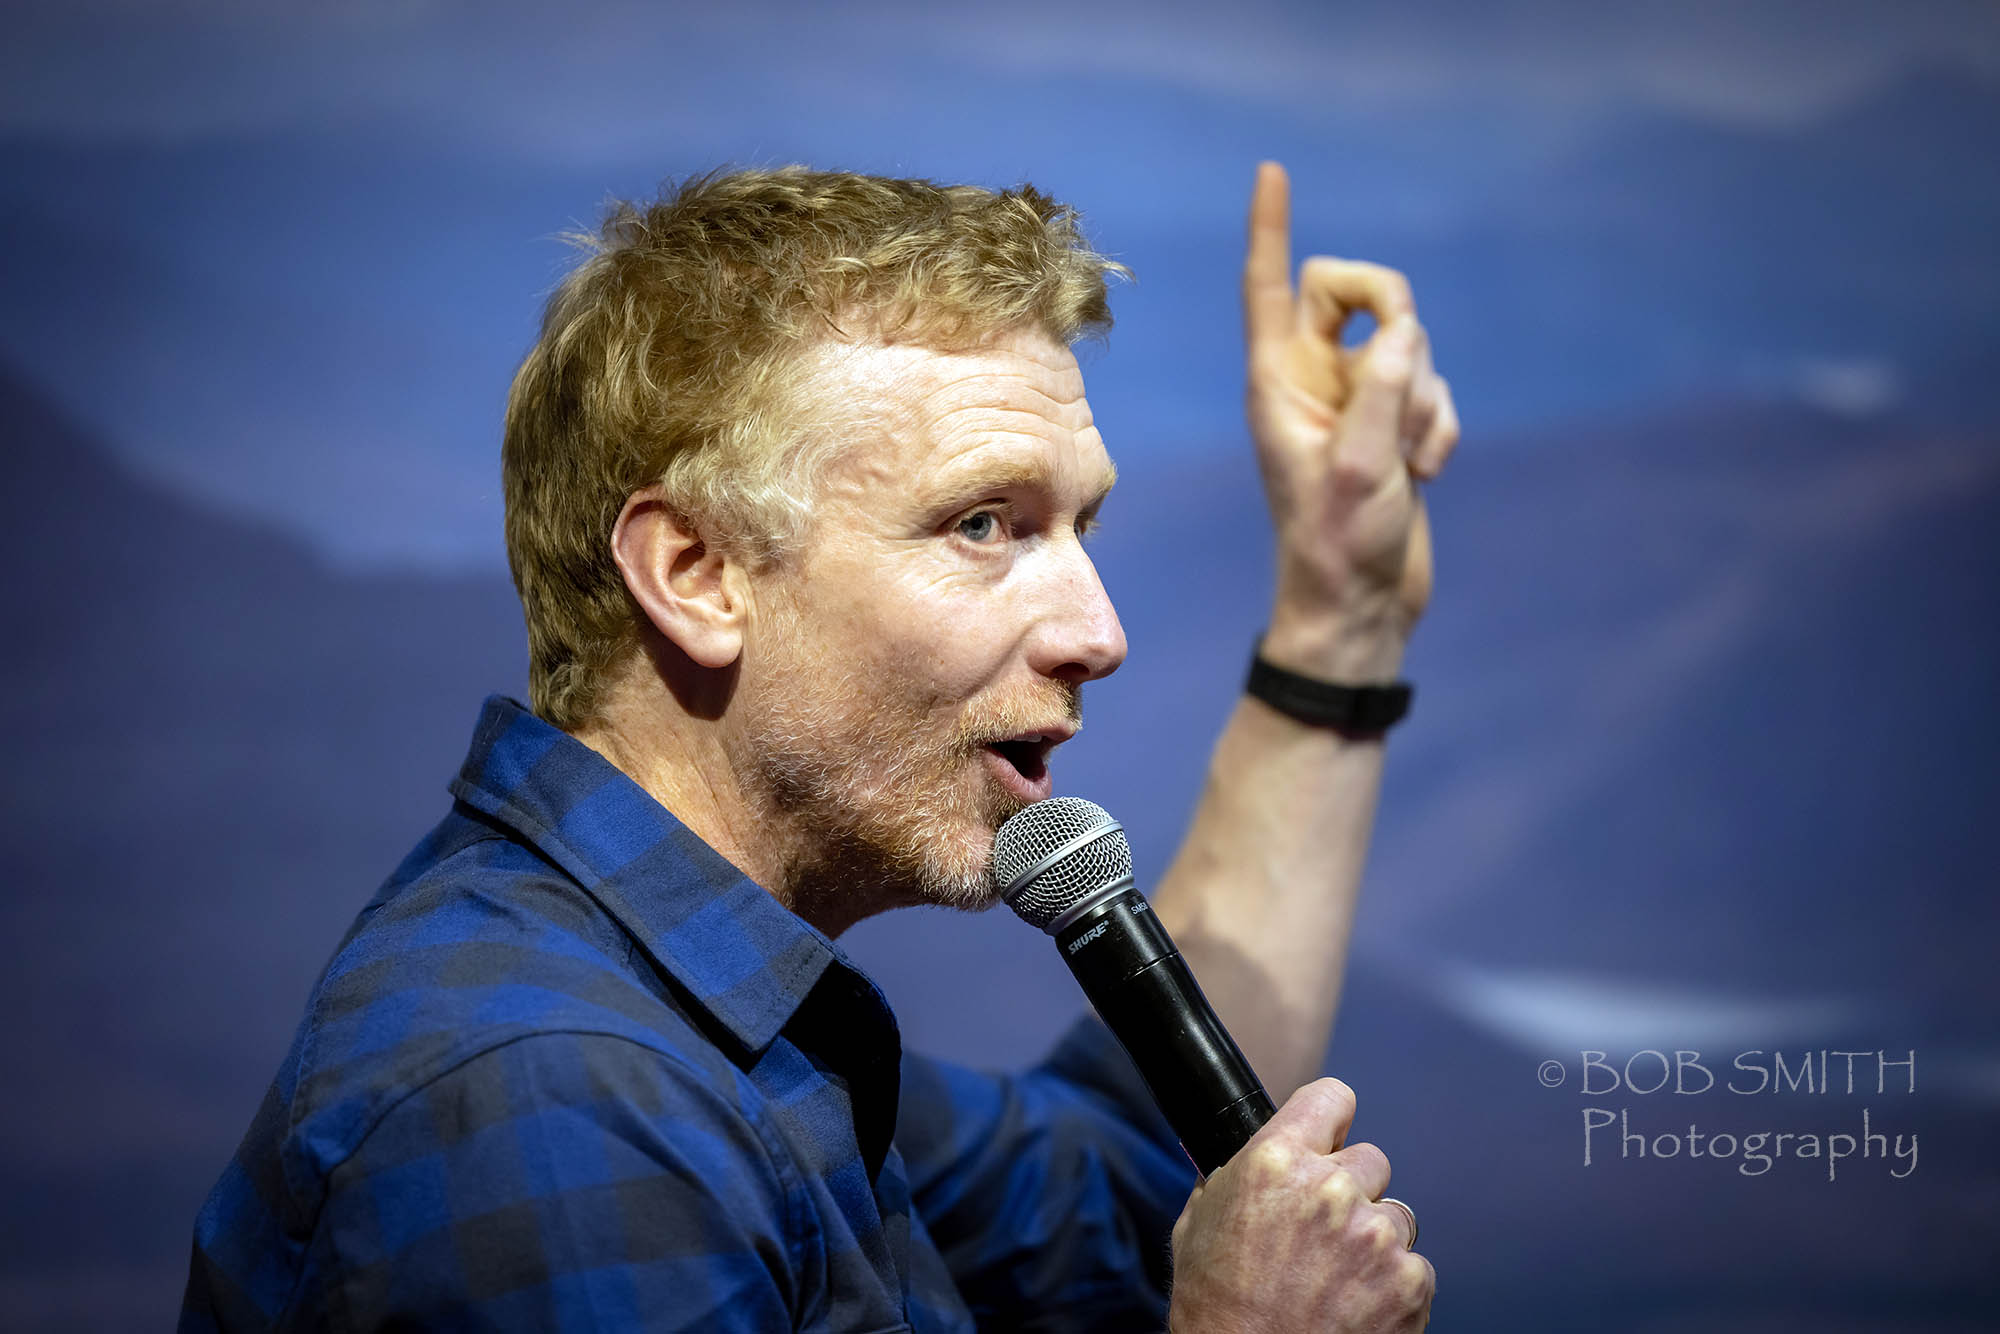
(1261, 897)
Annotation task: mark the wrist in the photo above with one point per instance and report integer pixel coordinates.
(1359, 712)
(1356, 648)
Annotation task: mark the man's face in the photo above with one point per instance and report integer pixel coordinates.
(908, 674)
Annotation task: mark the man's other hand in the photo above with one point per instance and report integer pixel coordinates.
(1343, 436)
(1290, 1235)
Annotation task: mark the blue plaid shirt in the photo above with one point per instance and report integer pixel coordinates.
(571, 1070)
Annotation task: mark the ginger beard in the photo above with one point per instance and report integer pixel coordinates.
(872, 780)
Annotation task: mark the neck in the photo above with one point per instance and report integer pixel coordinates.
(675, 743)
(680, 757)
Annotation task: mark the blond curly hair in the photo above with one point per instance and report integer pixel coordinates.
(677, 354)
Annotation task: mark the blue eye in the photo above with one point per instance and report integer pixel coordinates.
(980, 526)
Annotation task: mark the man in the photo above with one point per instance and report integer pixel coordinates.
(797, 477)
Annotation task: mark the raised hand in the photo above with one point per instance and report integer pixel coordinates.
(1343, 435)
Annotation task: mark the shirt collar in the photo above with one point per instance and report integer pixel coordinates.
(743, 956)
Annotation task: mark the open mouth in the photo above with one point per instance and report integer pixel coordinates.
(1028, 755)
(1021, 761)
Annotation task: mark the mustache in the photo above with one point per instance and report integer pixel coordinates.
(987, 721)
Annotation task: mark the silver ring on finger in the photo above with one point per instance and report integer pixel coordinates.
(1408, 1213)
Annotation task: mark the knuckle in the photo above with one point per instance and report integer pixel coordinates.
(1352, 484)
(1416, 1279)
(1379, 1232)
(1370, 1153)
(1365, 1166)
(1270, 1161)
(1390, 283)
(1391, 367)
(1339, 1194)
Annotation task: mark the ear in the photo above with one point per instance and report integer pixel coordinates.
(694, 594)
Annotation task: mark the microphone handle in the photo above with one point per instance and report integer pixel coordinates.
(1141, 987)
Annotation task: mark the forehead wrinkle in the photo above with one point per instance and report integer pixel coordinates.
(985, 418)
(1042, 440)
(923, 407)
(1004, 390)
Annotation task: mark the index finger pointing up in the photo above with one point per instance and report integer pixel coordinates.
(1267, 269)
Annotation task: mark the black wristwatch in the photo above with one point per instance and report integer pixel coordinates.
(1356, 711)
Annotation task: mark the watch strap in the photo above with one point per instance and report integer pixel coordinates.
(1367, 710)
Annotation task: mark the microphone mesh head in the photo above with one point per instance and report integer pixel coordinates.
(1035, 832)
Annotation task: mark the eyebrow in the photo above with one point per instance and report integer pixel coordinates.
(1002, 474)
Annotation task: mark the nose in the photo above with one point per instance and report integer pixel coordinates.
(1078, 637)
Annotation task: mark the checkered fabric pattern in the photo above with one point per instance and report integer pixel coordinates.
(571, 1070)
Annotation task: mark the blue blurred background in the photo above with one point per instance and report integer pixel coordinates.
(1703, 755)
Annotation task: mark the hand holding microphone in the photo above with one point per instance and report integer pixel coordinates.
(1288, 1230)
(1293, 1235)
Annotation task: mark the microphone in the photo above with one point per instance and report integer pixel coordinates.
(1064, 865)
